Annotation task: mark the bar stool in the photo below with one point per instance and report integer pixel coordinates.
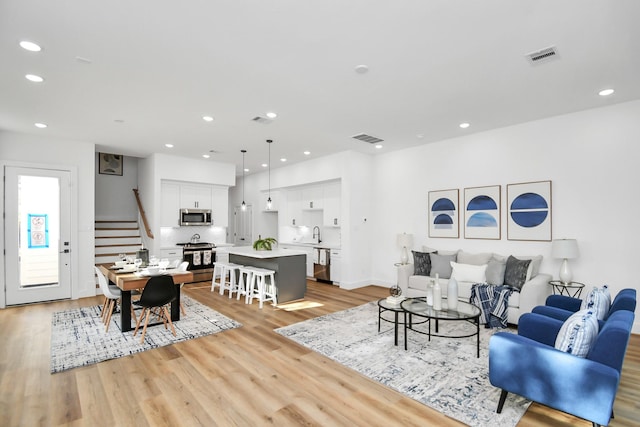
(244, 282)
(219, 270)
(231, 284)
(261, 289)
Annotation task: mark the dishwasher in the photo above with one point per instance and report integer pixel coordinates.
(322, 264)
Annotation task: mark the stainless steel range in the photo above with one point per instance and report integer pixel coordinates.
(199, 255)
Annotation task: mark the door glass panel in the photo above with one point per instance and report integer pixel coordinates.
(39, 233)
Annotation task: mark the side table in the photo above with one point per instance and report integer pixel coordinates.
(384, 305)
(570, 289)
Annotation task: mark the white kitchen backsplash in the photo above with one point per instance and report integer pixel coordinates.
(329, 236)
(172, 236)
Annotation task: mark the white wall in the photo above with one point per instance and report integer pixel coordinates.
(79, 157)
(116, 200)
(591, 157)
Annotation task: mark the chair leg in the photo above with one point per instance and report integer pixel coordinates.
(103, 313)
(144, 329)
(503, 397)
(142, 315)
(168, 316)
(109, 312)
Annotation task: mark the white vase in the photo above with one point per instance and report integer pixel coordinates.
(437, 296)
(430, 293)
(452, 294)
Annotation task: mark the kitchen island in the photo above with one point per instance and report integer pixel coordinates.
(289, 265)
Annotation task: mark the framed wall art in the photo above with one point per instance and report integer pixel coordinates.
(482, 212)
(37, 231)
(529, 211)
(443, 213)
(110, 164)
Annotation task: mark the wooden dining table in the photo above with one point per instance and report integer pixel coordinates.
(128, 282)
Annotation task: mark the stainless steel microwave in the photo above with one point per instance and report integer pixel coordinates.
(195, 217)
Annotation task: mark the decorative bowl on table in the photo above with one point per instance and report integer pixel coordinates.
(120, 264)
(128, 268)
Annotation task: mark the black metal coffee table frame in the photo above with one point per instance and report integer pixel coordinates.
(384, 306)
(418, 307)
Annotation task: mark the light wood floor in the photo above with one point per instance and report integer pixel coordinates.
(249, 376)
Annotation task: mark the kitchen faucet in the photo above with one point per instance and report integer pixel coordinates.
(316, 234)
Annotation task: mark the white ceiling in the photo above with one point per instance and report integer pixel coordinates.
(157, 66)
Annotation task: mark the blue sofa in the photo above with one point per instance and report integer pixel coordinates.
(527, 364)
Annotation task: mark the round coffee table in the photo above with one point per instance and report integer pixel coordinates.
(418, 307)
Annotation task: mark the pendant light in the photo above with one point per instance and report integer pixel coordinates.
(269, 164)
(244, 205)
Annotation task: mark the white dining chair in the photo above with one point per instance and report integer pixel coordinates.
(111, 295)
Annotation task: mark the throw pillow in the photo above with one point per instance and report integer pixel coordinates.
(473, 259)
(515, 273)
(468, 273)
(598, 301)
(578, 333)
(495, 271)
(441, 265)
(534, 267)
(421, 263)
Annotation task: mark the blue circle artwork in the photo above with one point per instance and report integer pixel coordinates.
(443, 210)
(529, 210)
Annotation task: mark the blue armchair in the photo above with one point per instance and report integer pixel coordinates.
(527, 364)
(561, 307)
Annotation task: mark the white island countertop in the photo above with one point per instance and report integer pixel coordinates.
(248, 251)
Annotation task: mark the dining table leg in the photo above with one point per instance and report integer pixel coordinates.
(125, 311)
(175, 305)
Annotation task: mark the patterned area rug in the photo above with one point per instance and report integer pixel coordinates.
(78, 337)
(443, 373)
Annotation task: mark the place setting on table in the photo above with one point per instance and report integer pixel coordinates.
(129, 264)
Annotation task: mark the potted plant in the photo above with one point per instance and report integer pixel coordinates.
(264, 244)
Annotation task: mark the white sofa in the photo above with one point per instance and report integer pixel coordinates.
(533, 292)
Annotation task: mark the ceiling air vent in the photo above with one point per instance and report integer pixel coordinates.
(542, 55)
(367, 138)
(262, 120)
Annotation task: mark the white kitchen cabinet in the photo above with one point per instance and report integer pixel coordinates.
(293, 214)
(172, 254)
(331, 211)
(312, 197)
(336, 266)
(195, 196)
(169, 204)
(219, 206)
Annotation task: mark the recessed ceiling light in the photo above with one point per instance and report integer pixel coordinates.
(34, 78)
(207, 118)
(362, 69)
(206, 156)
(264, 165)
(272, 115)
(246, 169)
(606, 92)
(30, 46)
(420, 135)
(378, 146)
(168, 145)
(306, 153)
(464, 125)
(40, 125)
(283, 159)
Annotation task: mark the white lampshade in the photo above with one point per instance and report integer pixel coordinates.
(404, 241)
(564, 249)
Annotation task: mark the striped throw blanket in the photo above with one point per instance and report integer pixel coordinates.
(493, 301)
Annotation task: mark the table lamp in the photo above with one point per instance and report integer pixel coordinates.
(564, 249)
(405, 240)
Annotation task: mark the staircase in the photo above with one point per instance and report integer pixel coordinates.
(114, 238)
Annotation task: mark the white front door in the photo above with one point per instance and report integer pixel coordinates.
(37, 230)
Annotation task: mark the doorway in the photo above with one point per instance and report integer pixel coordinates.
(37, 234)
(242, 225)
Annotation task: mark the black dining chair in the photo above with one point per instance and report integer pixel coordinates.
(157, 294)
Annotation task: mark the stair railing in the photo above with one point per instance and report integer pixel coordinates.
(143, 215)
